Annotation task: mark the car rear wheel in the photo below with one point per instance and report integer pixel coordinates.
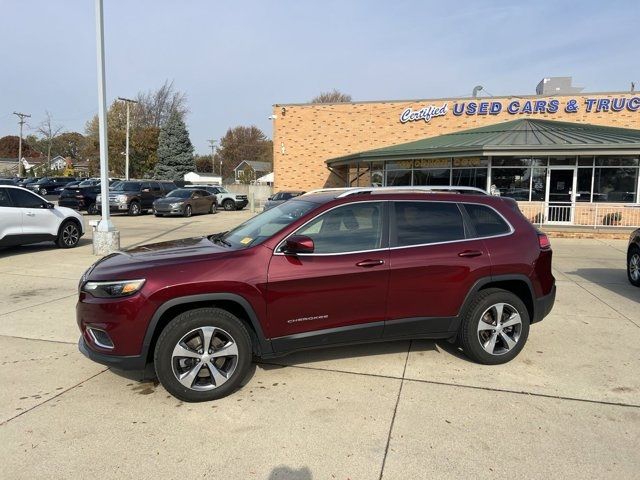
(43, 191)
(229, 205)
(495, 327)
(187, 211)
(213, 208)
(69, 234)
(92, 209)
(203, 355)
(633, 266)
(134, 208)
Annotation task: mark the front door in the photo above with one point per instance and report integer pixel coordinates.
(338, 293)
(560, 195)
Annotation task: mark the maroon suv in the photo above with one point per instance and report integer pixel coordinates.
(327, 268)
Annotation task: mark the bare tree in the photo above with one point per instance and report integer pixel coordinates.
(334, 96)
(49, 131)
(156, 106)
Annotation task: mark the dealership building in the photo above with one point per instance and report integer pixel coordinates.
(566, 157)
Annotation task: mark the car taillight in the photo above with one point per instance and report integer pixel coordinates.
(544, 242)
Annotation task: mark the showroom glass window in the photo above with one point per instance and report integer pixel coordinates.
(512, 177)
(615, 179)
(399, 173)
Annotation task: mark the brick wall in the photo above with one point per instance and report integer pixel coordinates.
(304, 136)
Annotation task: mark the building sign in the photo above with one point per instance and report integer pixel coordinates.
(524, 106)
(426, 113)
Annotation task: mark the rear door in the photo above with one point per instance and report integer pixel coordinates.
(433, 265)
(10, 219)
(342, 286)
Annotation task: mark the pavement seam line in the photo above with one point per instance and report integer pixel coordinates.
(395, 410)
(55, 396)
(38, 339)
(461, 385)
(38, 304)
(157, 236)
(611, 307)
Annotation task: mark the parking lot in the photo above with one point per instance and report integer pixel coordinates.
(567, 406)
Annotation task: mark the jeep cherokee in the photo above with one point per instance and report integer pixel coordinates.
(329, 267)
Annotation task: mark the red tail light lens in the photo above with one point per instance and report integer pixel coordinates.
(544, 242)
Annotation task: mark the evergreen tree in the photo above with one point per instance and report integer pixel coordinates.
(175, 151)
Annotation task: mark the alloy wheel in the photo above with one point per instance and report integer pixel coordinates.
(634, 267)
(70, 234)
(205, 358)
(499, 328)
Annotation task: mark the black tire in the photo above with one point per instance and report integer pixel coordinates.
(184, 326)
(68, 234)
(187, 211)
(92, 209)
(157, 215)
(633, 255)
(134, 209)
(482, 307)
(229, 205)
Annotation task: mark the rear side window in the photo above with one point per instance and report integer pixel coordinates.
(419, 223)
(4, 198)
(486, 221)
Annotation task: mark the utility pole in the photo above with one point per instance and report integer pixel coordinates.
(21, 116)
(126, 168)
(212, 144)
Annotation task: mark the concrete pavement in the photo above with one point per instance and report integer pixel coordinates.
(569, 405)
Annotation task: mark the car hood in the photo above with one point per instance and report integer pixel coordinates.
(163, 254)
(171, 200)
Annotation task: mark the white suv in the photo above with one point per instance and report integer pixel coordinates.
(28, 218)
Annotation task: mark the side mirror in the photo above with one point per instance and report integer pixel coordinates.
(298, 244)
(270, 198)
(50, 206)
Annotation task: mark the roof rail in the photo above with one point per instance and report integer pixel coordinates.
(346, 192)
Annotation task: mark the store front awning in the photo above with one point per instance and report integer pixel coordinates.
(518, 137)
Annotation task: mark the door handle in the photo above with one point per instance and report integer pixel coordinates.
(470, 253)
(30, 214)
(369, 263)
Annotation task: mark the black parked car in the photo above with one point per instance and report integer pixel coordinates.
(136, 196)
(48, 185)
(25, 182)
(281, 197)
(633, 258)
(80, 198)
(185, 202)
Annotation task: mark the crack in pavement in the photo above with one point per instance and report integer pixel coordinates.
(55, 396)
(395, 410)
(462, 385)
(38, 339)
(157, 236)
(38, 304)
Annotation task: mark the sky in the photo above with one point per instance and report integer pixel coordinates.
(235, 59)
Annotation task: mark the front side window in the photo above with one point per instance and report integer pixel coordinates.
(25, 199)
(348, 228)
(419, 223)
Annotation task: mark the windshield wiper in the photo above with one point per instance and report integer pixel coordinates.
(217, 238)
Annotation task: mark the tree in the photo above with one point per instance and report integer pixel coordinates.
(243, 143)
(154, 108)
(49, 133)
(204, 164)
(175, 151)
(9, 147)
(68, 145)
(332, 97)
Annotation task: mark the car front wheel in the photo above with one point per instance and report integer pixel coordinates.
(69, 235)
(495, 327)
(203, 355)
(134, 209)
(633, 266)
(229, 205)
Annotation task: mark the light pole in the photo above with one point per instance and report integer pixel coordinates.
(106, 238)
(21, 116)
(126, 168)
(212, 144)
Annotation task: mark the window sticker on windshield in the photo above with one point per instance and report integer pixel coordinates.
(246, 240)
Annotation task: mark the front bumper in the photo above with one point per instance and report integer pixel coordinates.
(115, 207)
(168, 210)
(134, 362)
(240, 204)
(543, 305)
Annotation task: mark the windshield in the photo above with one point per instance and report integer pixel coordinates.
(88, 183)
(126, 186)
(180, 193)
(223, 190)
(263, 226)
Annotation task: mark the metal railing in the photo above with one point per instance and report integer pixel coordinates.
(582, 214)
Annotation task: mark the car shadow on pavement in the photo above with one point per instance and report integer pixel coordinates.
(36, 247)
(283, 472)
(613, 279)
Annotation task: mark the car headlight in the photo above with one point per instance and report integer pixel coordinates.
(121, 198)
(117, 289)
(176, 205)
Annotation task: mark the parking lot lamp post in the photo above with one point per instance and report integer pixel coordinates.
(126, 168)
(106, 238)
